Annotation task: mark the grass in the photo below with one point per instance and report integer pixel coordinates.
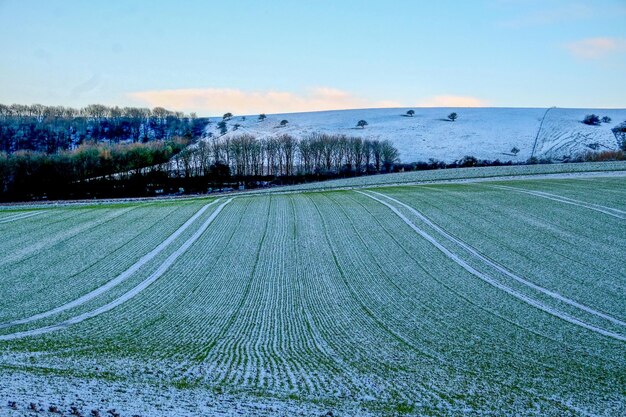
(332, 299)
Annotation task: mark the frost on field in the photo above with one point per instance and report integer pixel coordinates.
(490, 298)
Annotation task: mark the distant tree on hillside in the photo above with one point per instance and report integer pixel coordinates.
(361, 124)
(591, 120)
(227, 116)
(620, 134)
(606, 119)
(236, 126)
(283, 123)
(222, 127)
(453, 116)
(262, 117)
(410, 113)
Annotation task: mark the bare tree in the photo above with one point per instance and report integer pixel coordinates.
(389, 154)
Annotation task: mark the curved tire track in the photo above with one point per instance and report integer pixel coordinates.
(487, 278)
(617, 213)
(115, 281)
(19, 216)
(505, 271)
(134, 291)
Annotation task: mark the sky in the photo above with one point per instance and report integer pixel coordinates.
(278, 56)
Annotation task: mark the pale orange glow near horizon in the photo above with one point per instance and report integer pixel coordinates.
(220, 100)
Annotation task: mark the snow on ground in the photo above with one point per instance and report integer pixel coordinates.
(436, 300)
(487, 133)
(91, 397)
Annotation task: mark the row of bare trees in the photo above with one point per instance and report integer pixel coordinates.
(92, 111)
(53, 128)
(286, 155)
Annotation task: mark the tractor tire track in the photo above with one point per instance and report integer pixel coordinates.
(617, 213)
(115, 281)
(134, 291)
(505, 271)
(486, 278)
(19, 216)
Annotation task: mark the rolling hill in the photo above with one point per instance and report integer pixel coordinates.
(486, 133)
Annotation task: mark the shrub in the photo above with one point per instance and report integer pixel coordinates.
(361, 124)
(515, 150)
(262, 117)
(591, 120)
(606, 119)
(468, 161)
(453, 116)
(603, 156)
(283, 123)
(410, 113)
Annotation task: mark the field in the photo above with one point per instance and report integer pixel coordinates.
(501, 297)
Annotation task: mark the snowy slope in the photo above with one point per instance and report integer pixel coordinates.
(488, 133)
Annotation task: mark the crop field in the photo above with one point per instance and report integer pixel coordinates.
(460, 175)
(486, 298)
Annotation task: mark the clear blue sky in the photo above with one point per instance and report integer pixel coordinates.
(247, 56)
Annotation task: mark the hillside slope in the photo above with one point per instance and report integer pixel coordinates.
(487, 133)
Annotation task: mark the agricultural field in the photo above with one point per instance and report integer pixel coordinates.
(462, 175)
(500, 297)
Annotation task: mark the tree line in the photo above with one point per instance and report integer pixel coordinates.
(287, 156)
(90, 170)
(54, 128)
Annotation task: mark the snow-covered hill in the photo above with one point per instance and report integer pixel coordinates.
(488, 133)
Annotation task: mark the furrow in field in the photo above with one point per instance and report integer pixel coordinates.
(17, 236)
(446, 333)
(205, 289)
(617, 213)
(268, 344)
(375, 285)
(115, 281)
(29, 250)
(360, 308)
(492, 281)
(573, 254)
(33, 286)
(463, 318)
(251, 332)
(354, 348)
(229, 347)
(608, 192)
(501, 268)
(189, 297)
(128, 295)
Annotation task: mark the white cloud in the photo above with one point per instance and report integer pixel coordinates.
(219, 100)
(596, 48)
